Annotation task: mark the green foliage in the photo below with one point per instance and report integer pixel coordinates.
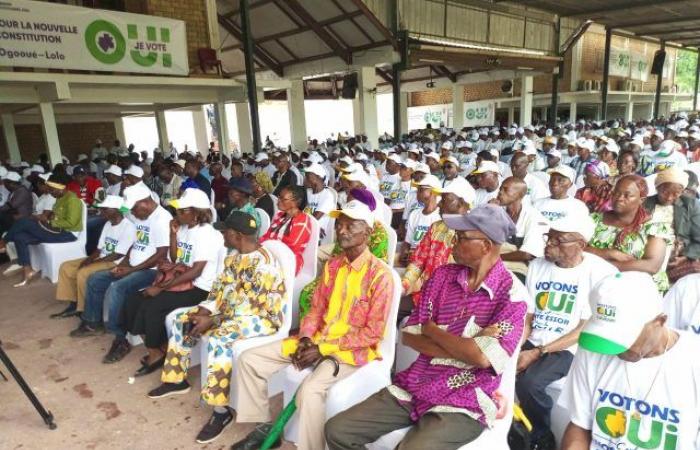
(685, 70)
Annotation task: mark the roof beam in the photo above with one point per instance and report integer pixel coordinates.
(448, 74)
(342, 52)
(268, 61)
(354, 22)
(360, 4)
(644, 23)
(665, 33)
(383, 75)
(638, 4)
(237, 11)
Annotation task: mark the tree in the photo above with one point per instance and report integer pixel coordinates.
(685, 70)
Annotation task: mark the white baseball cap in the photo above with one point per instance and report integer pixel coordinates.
(429, 180)
(260, 157)
(409, 163)
(575, 223)
(316, 169)
(622, 304)
(114, 170)
(135, 193)
(396, 158)
(586, 143)
(529, 148)
(450, 159)
(191, 198)
(356, 210)
(359, 176)
(447, 144)
(564, 171)
(112, 201)
(432, 155)
(82, 157)
(486, 166)
(422, 167)
(459, 187)
(3, 171)
(135, 171)
(37, 168)
(554, 153)
(12, 176)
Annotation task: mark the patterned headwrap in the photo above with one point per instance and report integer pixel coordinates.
(598, 168)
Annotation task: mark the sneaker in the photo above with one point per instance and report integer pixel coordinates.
(120, 348)
(216, 425)
(168, 389)
(85, 330)
(12, 269)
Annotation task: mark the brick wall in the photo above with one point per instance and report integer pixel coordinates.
(472, 92)
(194, 13)
(431, 97)
(74, 138)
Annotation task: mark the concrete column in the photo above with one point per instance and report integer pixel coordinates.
(629, 112)
(48, 122)
(367, 86)
(245, 136)
(8, 128)
(222, 127)
(212, 26)
(572, 112)
(199, 119)
(526, 100)
(163, 139)
(357, 115)
(119, 130)
(404, 112)
(297, 115)
(511, 115)
(457, 107)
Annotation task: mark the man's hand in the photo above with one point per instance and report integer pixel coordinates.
(121, 271)
(174, 226)
(152, 291)
(526, 358)
(201, 324)
(305, 357)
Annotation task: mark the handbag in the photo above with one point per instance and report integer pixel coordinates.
(168, 271)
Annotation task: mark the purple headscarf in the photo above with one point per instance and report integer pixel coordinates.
(364, 196)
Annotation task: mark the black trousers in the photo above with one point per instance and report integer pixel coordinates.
(530, 386)
(146, 315)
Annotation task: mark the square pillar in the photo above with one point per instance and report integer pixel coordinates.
(526, 100)
(457, 107)
(8, 128)
(403, 103)
(572, 112)
(629, 112)
(201, 137)
(119, 131)
(357, 115)
(297, 115)
(163, 139)
(511, 115)
(222, 127)
(367, 86)
(48, 128)
(245, 136)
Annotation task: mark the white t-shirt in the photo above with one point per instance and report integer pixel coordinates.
(530, 227)
(601, 397)
(117, 239)
(682, 304)
(201, 243)
(114, 189)
(536, 189)
(397, 198)
(559, 296)
(389, 184)
(323, 202)
(45, 203)
(151, 233)
(418, 224)
(483, 196)
(552, 209)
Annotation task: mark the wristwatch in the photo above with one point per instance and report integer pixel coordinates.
(542, 349)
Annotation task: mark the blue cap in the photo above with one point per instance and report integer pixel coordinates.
(491, 220)
(241, 184)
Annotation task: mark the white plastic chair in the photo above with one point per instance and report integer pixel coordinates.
(309, 270)
(329, 237)
(495, 438)
(392, 242)
(335, 196)
(364, 382)
(559, 415)
(385, 214)
(264, 221)
(275, 208)
(48, 257)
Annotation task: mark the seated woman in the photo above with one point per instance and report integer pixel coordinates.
(378, 245)
(194, 250)
(291, 225)
(597, 188)
(261, 196)
(682, 215)
(627, 237)
(63, 225)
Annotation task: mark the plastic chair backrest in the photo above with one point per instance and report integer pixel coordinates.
(310, 254)
(388, 346)
(286, 259)
(264, 221)
(392, 243)
(275, 208)
(335, 196)
(385, 214)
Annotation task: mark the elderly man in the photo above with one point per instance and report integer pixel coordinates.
(240, 305)
(347, 321)
(134, 272)
(584, 150)
(559, 285)
(488, 179)
(171, 184)
(560, 204)
(284, 176)
(466, 328)
(634, 383)
(535, 186)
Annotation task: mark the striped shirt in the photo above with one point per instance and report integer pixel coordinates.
(449, 385)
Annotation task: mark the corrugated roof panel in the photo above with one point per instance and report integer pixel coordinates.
(349, 33)
(469, 27)
(305, 44)
(506, 30)
(423, 16)
(268, 15)
(320, 10)
(538, 35)
(380, 8)
(276, 51)
(373, 32)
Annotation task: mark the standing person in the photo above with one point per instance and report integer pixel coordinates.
(245, 301)
(194, 252)
(219, 185)
(116, 239)
(559, 285)
(111, 288)
(291, 225)
(632, 384)
(284, 177)
(347, 320)
(192, 170)
(420, 220)
(467, 320)
(559, 204)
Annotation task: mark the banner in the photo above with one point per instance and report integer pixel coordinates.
(419, 116)
(619, 62)
(479, 114)
(640, 67)
(38, 34)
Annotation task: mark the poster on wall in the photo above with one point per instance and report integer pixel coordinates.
(37, 34)
(479, 114)
(619, 62)
(419, 116)
(639, 67)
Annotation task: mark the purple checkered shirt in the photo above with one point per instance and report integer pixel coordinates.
(449, 385)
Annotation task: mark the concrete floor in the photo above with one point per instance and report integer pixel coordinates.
(94, 405)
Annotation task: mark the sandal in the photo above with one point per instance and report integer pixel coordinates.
(70, 311)
(27, 280)
(150, 368)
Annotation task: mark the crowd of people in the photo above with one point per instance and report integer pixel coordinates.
(567, 253)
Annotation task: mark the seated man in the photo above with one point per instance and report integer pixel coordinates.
(559, 285)
(135, 272)
(634, 383)
(19, 202)
(241, 305)
(347, 321)
(115, 241)
(466, 329)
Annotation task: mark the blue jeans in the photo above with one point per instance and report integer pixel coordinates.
(95, 224)
(103, 287)
(26, 232)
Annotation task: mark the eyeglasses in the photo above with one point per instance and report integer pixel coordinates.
(551, 240)
(458, 237)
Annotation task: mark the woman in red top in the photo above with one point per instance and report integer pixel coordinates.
(291, 225)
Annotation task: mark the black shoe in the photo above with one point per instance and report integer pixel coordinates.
(146, 368)
(70, 311)
(85, 329)
(546, 441)
(255, 439)
(216, 425)
(168, 389)
(120, 348)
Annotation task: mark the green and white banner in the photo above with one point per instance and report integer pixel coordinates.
(50, 35)
(435, 115)
(479, 114)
